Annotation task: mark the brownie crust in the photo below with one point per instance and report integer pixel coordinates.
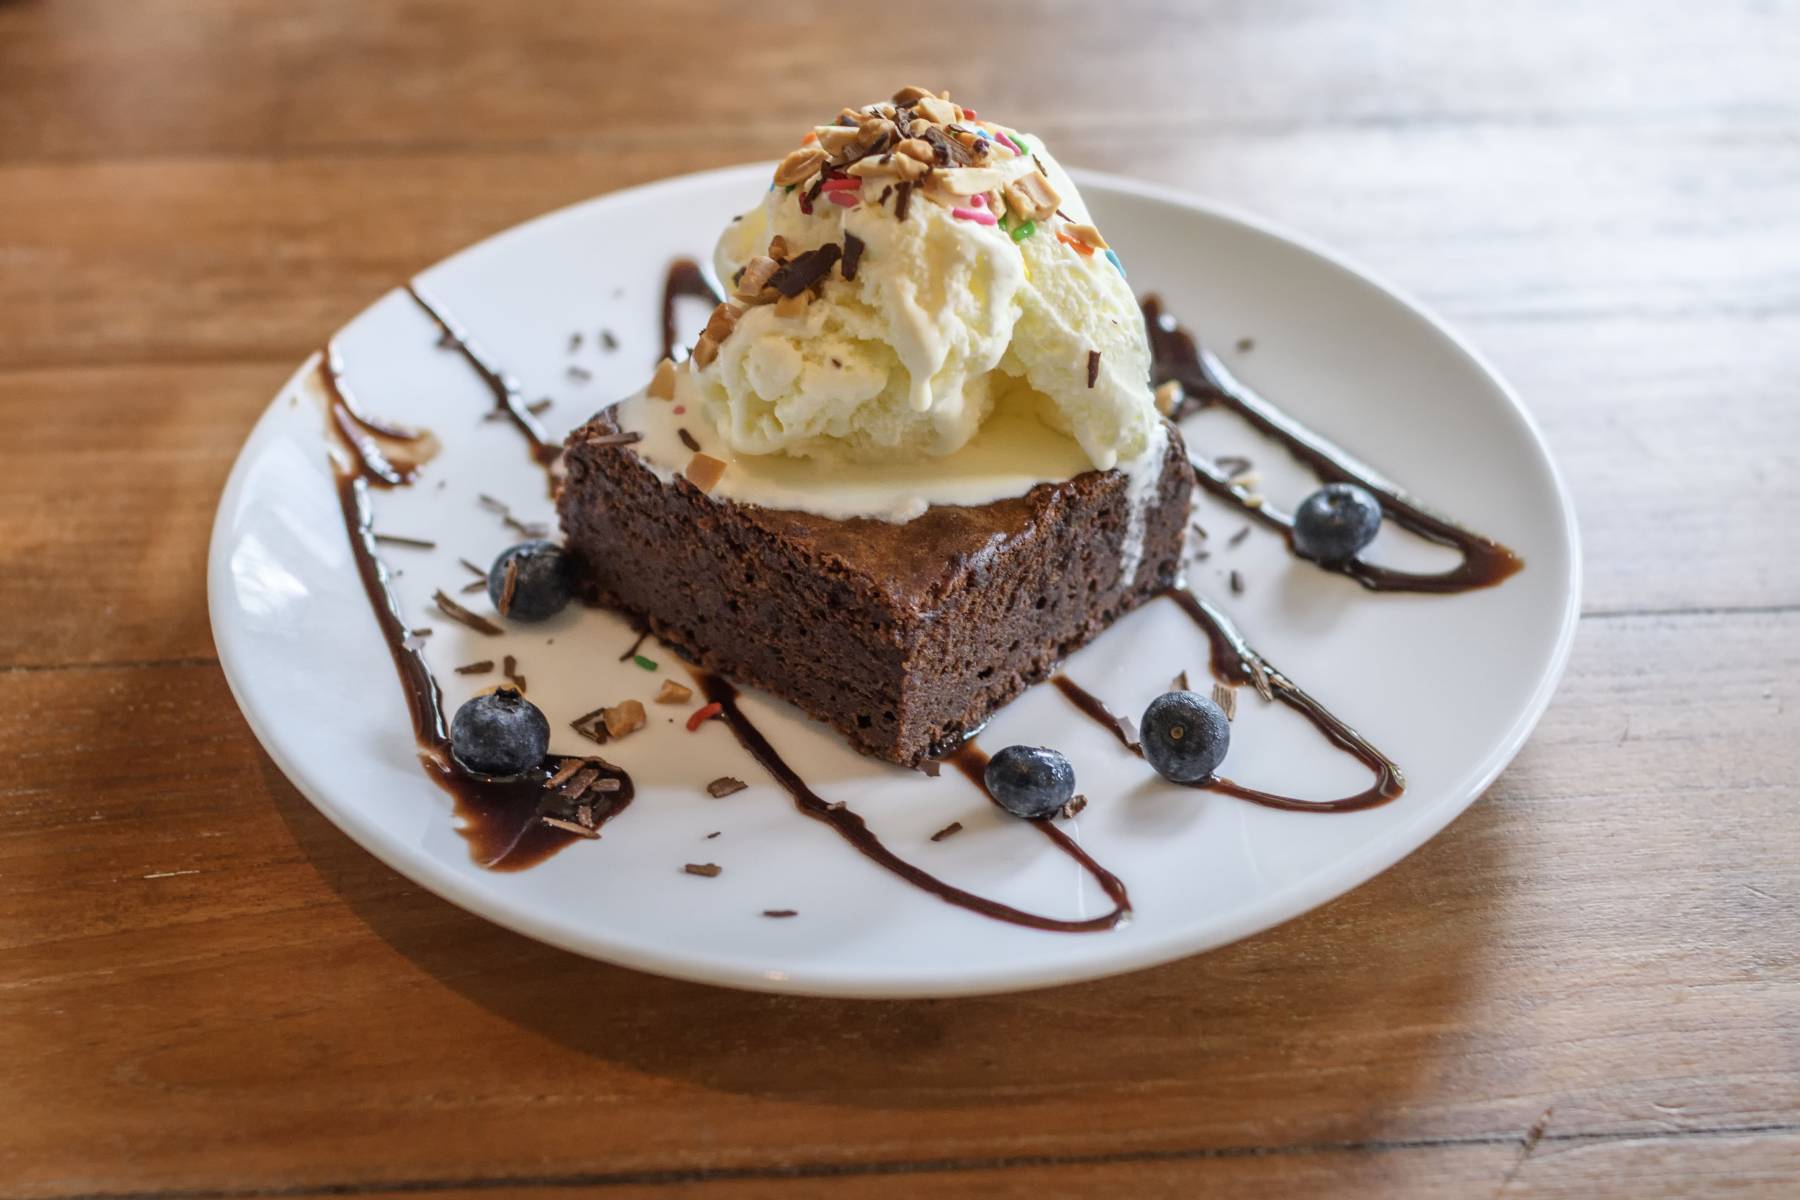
(904, 637)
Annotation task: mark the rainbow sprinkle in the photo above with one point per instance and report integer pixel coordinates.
(649, 664)
(1009, 143)
(977, 215)
(1114, 259)
(843, 198)
(1024, 230)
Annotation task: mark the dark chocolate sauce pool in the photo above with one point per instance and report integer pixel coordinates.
(502, 819)
(1178, 356)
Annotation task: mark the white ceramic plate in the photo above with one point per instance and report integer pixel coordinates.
(1448, 686)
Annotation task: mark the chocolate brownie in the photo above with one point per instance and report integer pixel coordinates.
(906, 637)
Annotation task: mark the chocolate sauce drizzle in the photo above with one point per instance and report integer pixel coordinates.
(1235, 663)
(684, 279)
(853, 829)
(500, 818)
(508, 398)
(1204, 379)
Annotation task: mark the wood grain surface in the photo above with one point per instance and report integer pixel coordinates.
(1589, 985)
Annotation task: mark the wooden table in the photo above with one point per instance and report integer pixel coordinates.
(1587, 986)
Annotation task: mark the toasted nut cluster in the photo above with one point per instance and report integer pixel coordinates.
(624, 717)
(1032, 197)
(662, 384)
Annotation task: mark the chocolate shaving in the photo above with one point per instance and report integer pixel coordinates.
(1237, 582)
(1180, 683)
(586, 725)
(592, 835)
(950, 830)
(946, 149)
(564, 773)
(509, 667)
(580, 374)
(710, 870)
(812, 193)
(725, 785)
(613, 439)
(539, 406)
(491, 504)
(469, 589)
(715, 833)
(476, 668)
(608, 340)
(804, 270)
(473, 568)
(394, 539)
(902, 199)
(1246, 345)
(688, 440)
(1074, 806)
(574, 342)
(930, 768)
(463, 616)
(780, 912)
(630, 653)
(1232, 465)
(1226, 698)
(1093, 366)
(885, 193)
(853, 252)
(577, 785)
(509, 585)
(423, 631)
(525, 529)
(1240, 535)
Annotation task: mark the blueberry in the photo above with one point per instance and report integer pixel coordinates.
(1335, 522)
(499, 734)
(1184, 736)
(1030, 781)
(545, 584)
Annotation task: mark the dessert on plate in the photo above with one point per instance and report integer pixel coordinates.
(914, 460)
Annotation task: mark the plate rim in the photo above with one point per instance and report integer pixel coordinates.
(1278, 907)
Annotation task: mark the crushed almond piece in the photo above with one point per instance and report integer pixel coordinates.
(1086, 234)
(710, 870)
(674, 693)
(793, 306)
(882, 166)
(1169, 397)
(874, 130)
(704, 471)
(835, 139)
(937, 110)
(909, 94)
(623, 717)
(778, 249)
(724, 319)
(1032, 197)
(917, 148)
(799, 165)
(662, 384)
(756, 275)
(965, 181)
(705, 350)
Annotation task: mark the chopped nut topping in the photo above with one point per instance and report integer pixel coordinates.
(875, 131)
(799, 165)
(705, 350)
(908, 95)
(793, 306)
(882, 166)
(1168, 397)
(710, 870)
(917, 148)
(778, 248)
(836, 139)
(662, 384)
(755, 277)
(623, 717)
(936, 110)
(724, 786)
(674, 693)
(1032, 197)
(704, 471)
(1086, 234)
(965, 181)
(724, 319)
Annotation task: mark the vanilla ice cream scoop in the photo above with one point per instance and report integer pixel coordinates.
(911, 269)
